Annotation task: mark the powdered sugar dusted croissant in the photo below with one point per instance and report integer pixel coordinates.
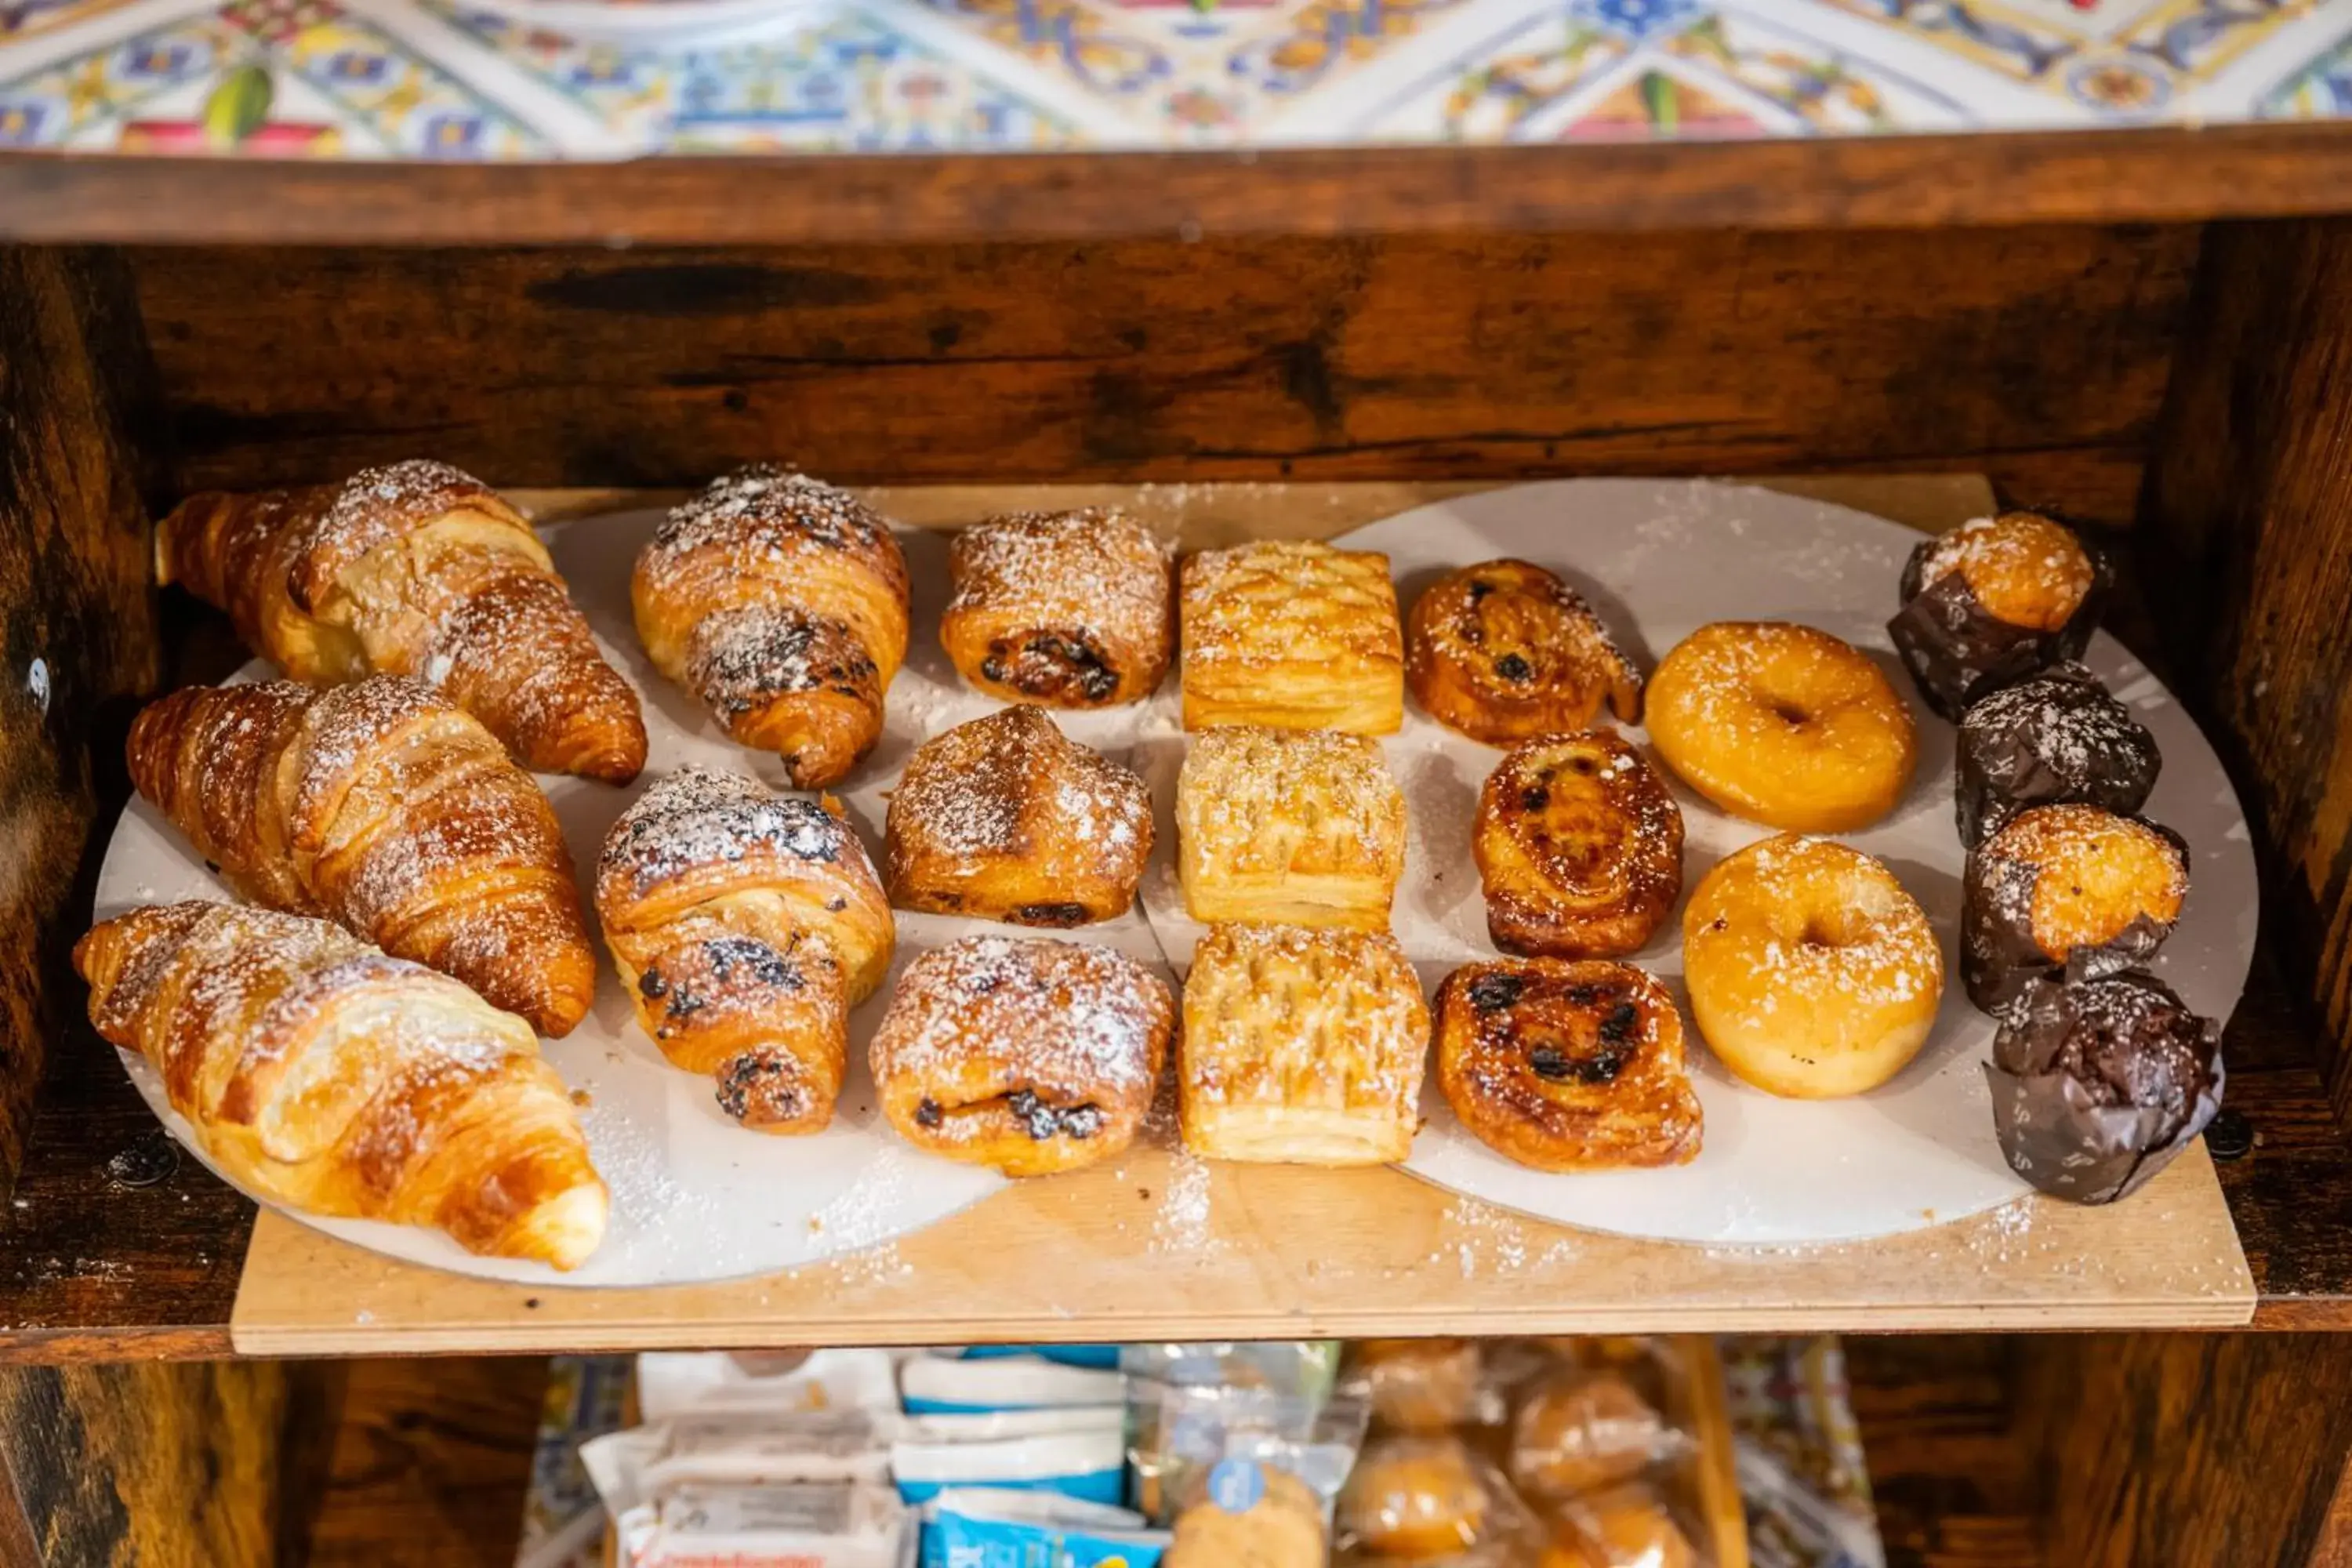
(388, 810)
(413, 569)
(781, 603)
(323, 1074)
(746, 924)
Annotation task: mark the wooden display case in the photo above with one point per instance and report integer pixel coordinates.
(2148, 332)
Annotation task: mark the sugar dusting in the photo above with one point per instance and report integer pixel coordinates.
(971, 792)
(1264, 801)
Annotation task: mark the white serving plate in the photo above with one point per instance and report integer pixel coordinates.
(695, 1196)
(1658, 559)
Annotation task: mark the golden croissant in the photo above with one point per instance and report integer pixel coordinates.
(413, 569)
(320, 1073)
(746, 924)
(781, 603)
(384, 808)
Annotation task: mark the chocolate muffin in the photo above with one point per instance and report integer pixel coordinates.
(2053, 739)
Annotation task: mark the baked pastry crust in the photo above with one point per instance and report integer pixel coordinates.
(1008, 820)
(1066, 609)
(1301, 1046)
(1029, 1055)
(2066, 889)
(780, 602)
(1416, 1498)
(1812, 973)
(413, 568)
(1505, 651)
(318, 1072)
(1288, 827)
(384, 806)
(2024, 570)
(1293, 634)
(1567, 1066)
(745, 925)
(1782, 724)
(1579, 848)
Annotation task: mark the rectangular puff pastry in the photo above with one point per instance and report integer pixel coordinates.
(1293, 634)
(1301, 1046)
(1295, 826)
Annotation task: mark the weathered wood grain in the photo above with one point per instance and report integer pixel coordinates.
(1952, 1481)
(2250, 508)
(2145, 174)
(430, 1462)
(78, 633)
(2036, 355)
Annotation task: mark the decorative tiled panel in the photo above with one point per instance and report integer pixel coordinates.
(610, 79)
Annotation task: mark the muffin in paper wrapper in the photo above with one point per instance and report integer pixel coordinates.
(1957, 651)
(2056, 738)
(2097, 1084)
(2000, 961)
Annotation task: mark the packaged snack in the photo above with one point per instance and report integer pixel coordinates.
(1249, 1515)
(935, 1385)
(1176, 1432)
(1627, 1526)
(1579, 1431)
(991, 1425)
(1417, 1497)
(974, 1527)
(738, 1447)
(1423, 1386)
(1307, 1368)
(1087, 1464)
(1102, 1358)
(794, 1526)
(674, 1382)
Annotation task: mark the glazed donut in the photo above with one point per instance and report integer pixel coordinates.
(1029, 1055)
(1505, 651)
(1811, 973)
(1414, 1498)
(1783, 725)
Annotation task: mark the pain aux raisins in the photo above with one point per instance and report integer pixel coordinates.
(1041, 1121)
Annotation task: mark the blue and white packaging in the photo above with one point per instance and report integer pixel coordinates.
(980, 1528)
(1090, 1465)
(1102, 1358)
(941, 1385)
(991, 1425)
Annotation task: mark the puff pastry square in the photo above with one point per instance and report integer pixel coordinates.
(1293, 634)
(1301, 1046)
(1288, 827)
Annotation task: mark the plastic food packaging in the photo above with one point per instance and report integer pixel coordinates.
(1579, 1431)
(1248, 1514)
(738, 1447)
(675, 1383)
(1176, 1432)
(1307, 1368)
(993, 1425)
(1101, 1358)
(1430, 1499)
(791, 1526)
(1423, 1386)
(944, 1385)
(1091, 1465)
(1627, 1526)
(987, 1529)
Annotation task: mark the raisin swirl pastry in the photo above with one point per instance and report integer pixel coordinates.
(745, 925)
(1579, 848)
(781, 603)
(1505, 651)
(1066, 609)
(1564, 1066)
(1032, 1055)
(1008, 820)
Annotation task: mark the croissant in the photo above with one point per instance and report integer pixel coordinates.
(413, 569)
(320, 1073)
(384, 808)
(781, 603)
(746, 924)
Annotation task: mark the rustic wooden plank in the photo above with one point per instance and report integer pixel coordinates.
(1952, 1483)
(2150, 174)
(2219, 1449)
(162, 1466)
(79, 621)
(2037, 354)
(430, 1464)
(2250, 506)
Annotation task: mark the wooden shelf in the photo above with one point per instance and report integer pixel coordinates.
(2157, 174)
(116, 1246)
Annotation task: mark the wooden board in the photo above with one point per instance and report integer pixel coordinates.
(2037, 355)
(1154, 1247)
(2150, 174)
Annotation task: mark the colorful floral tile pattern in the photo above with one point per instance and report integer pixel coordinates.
(524, 79)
